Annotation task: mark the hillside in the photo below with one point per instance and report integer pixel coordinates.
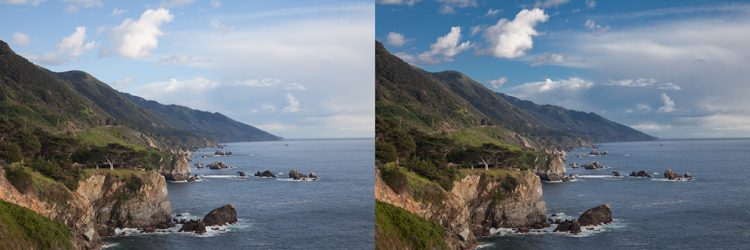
(215, 126)
(590, 126)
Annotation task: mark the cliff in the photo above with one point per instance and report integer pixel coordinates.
(554, 171)
(476, 204)
(100, 204)
(175, 168)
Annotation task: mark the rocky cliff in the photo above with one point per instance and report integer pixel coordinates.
(475, 205)
(99, 205)
(175, 168)
(554, 171)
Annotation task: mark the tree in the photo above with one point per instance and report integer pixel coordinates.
(385, 152)
(10, 152)
(113, 153)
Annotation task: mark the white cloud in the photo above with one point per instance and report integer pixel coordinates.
(497, 83)
(572, 84)
(492, 13)
(548, 59)
(294, 86)
(134, 39)
(293, 104)
(277, 126)
(121, 84)
(651, 126)
(629, 111)
(669, 86)
(117, 12)
(549, 3)
(643, 107)
(100, 29)
(174, 3)
(640, 82)
(509, 39)
(669, 105)
(477, 29)
(446, 46)
(71, 9)
(590, 4)
(265, 82)
(459, 3)
(66, 51)
(32, 2)
(223, 29)
(173, 85)
(395, 39)
(215, 3)
(447, 9)
(398, 2)
(596, 28)
(576, 10)
(269, 108)
(20, 39)
(175, 59)
(85, 3)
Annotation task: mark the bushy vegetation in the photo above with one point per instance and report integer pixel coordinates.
(24, 229)
(397, 228)
(393, 177)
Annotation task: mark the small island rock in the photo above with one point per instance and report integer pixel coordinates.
(217, 165)
(226, 214)
(601, 214)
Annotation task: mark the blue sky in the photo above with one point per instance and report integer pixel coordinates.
(672, 69)
(297, 69)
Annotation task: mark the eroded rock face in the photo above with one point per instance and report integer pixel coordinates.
(469, 210)
(180, 171)
(226, 214)
(555, 172)
(601, 214)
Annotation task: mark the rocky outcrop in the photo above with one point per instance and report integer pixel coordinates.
(555, 171)
(592, 165)
(226, 214)
(641, 173)
(601, 214)
(688, 176)
(266, 173)
(581, 155)
(193, 178)
(197, 226)
(312, 176)
(574, 165)
(605, 152)
(617, 174)
(217, 165)
(95, 208)
(178, 170)
(470, 208)
(675, 176)
(199, 165)
(230, 152)
(242, 174)
(593, 152)
(300, 176)
(206, 155)
(572, 226)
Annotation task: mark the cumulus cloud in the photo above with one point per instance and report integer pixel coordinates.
(509, 39)
(222, 29)
(174, 3)
(294, 86)
(449, 6)
(395, 39)
(669, 86)
(32, 2)
(197, 84)
(277, 126)
(135, 39)
(669, 105)
(398, 2)
(74, 4)
(174, 59)
(66, 51)
(265, 82)
(121, 84)
(548, 59)
(477, 29)
(445, 48)
(497, 83)
(20, 39)
(549, 3)
(640, 82)
(596, 28)
(643, 107)
(293, 104)
(590, 4)
(117, 12)
(492, 13)
(269, 108)
(572, 84)
(215, 3)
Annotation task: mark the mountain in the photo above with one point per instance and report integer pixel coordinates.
(216, 126)
(591, 126)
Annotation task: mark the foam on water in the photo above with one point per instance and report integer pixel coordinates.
(585, 231)
(210, 231)
(109, 245)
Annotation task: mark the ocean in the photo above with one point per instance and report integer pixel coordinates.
(712, 211)
(336, 211)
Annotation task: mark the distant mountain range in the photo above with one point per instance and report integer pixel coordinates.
(77, 101)
(451, 101)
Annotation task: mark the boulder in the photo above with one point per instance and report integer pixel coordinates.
(641, 173)
(217, 165)
(601, 214)
(593, 152)
(230, 152)
(299, 176)
(199, 165)
(688, 176)
(592, 165)
(617, 174)
(581, 155)
(571, 226)
(574, 165)
(218, 152)
(266, 173)
(197, 226)
(605, 152)
(206, 155)
(226, 214)
(312, 176)
(292, 173)
(241, 173)
(672, 176)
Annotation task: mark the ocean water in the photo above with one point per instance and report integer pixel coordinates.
(334, 212)
(710, 212)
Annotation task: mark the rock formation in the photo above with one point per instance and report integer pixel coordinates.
(601, 214)
(226, 214)
(218, 152)
(242, 174)
(312, 176)
(592, 165)
(675, 176)
(230, 152)
(574, 165)
(217, 165)
(266, 173)
(554, 172)
(641, 173)
(688, 176)
(470, 209)
(593, 152)
(617, 174)
(605, 152)
(581, 155)
(298, 176)
(197, 226)
(199, 165)
(572, 226)
(179, 171)
(206, 155)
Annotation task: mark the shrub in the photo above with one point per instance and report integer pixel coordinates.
(18, 177)
(393, 177)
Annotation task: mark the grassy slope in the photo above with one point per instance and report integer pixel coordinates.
(397, 228)
(22, 228)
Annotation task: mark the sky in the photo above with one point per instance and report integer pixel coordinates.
(296, 69)
(671, 69)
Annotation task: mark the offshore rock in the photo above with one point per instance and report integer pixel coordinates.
(266, 173)
(572, 226)
(641, 173)
(217, 165)
(672, 176)
(574, 165)
(601, 214)
(554, 172)
(197, 226)
(179, 171)
(592, 165)
(226, 214)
